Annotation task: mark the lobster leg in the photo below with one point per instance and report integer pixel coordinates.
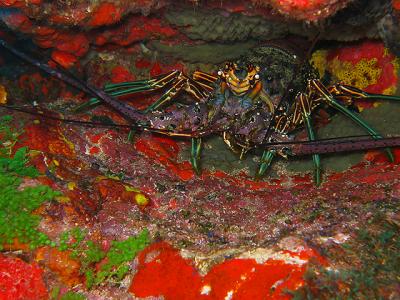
(161, 81)
(306, 113)
(183, 83)
(330, 100)
(178, 80)
(195, 154)
(266, 160)
(349, 93)
(149, 84)
(131, 88)
(381, 97)
(191, 86)
(167, 96)
(204, 80)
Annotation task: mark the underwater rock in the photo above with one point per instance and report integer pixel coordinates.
(358, 20)
(201, 24)
(86, 26)
(103, 12)
(305, 10)
(114, 186)
(135, 29)
(82, 13)
(389, 29)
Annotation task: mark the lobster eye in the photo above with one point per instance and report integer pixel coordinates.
(257, 76)
(220, 73)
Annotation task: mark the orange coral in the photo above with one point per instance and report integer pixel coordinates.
(167, 274)
(19, 280)
(396, 4)
(61, 263)
(106, 14)
(369, 66)
(121, 74)
(65, 59)
(135, 29)
(163, 272)
(47, 139)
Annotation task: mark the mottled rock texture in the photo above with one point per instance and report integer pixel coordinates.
(222, 223)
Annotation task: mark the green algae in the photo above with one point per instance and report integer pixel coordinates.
(72, 296)
(55, 295)
(113, 264)
(17, 218)
(18, 204)
(120, 253)
(76, 234)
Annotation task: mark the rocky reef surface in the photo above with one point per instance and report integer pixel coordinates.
(88, 213)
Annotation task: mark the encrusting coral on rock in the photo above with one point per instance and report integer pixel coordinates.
(99, 212)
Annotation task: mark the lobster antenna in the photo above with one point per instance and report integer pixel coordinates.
(70, 121)
(61, 68)
(98, 124)
(131, 113)
(337, 144)
(38, 55)
(55, 73)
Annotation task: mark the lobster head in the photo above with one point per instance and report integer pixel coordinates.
(240, 78)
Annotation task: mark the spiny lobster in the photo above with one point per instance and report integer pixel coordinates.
(243, 102)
